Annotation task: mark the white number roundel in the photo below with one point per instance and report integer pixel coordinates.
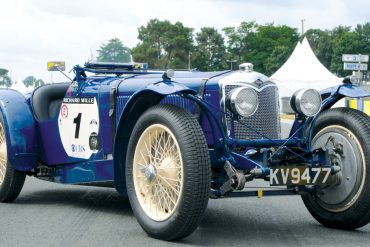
(79, 126)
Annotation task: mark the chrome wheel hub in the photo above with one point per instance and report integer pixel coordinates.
(150, 172)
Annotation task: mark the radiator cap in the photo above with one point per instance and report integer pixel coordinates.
(246, 67)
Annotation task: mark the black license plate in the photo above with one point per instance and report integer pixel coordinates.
(299, 175)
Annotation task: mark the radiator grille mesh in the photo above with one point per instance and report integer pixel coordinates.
(265, 122)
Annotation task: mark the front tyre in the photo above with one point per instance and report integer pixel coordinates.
(346, 204)
(168, 172)
(11, 180)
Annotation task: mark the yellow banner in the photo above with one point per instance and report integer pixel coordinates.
(56, 66)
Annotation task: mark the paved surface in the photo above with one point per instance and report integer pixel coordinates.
(49, 214)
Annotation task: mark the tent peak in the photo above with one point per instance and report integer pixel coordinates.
(304, 68)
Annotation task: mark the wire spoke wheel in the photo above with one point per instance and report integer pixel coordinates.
(158, 172)
(3, 154)
(11, 180)
(168, 173)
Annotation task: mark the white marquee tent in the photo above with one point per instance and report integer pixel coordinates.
(303, 70)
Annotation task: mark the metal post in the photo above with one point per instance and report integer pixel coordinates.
(189, 64)
(302, 21)
(231, 63)
(359, 70)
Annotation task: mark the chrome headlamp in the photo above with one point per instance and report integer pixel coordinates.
(306, 101)
(242, 101)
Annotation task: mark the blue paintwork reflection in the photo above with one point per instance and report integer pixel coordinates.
(19, 125)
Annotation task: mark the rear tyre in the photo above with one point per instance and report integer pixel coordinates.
(346, 134)
(168, 172)
(11, 180)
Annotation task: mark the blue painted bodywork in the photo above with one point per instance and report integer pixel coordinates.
(83, 172)
(330, 96)
(334, 94)
(33, 143)
(345, 90)
(138, 99)
(20, 130)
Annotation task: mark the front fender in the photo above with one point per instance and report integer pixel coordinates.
(20, 133)
(139, 102)
(334, 94)
(346, 91)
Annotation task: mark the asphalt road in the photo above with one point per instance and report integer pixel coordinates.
(47, 214)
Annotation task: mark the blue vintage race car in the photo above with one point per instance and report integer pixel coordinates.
(172, 140)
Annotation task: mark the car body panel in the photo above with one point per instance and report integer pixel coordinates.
(20, 130)
(346, 91)
(132, 102)
(334, 94)
(40, 141)
(84, 172)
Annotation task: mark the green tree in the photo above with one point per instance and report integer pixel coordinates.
(4, 78)
(344, 41)
(146, 53)
(321, 44)
(164, 45)
(114, 51)
(259, 44)
(264, 42)
(29, 81)
(239, 40)
(363, 33)
(209, 51)
(33, 81)
(277, 58)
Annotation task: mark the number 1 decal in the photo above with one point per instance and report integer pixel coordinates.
(78, 125)
(77, 121)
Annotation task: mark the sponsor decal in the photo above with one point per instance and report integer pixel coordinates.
(78, 148)
(64, 111)
(79, 126)
(77, 100)
(94, 141)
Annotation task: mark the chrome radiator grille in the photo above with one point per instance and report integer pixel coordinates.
(265, 122)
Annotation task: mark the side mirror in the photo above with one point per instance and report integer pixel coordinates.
(56, 66)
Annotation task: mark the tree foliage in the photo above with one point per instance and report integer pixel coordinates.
(330, 45)
(320, 42)
(114, 51)
(33, 81)
(4, 78)
(268, 38)
(239, 40)
(344, 41)
(163, 44)
(363, 32)
(277, 58)
(210, 51)
(166, 45)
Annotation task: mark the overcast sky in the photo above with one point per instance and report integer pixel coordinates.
(33, 32)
